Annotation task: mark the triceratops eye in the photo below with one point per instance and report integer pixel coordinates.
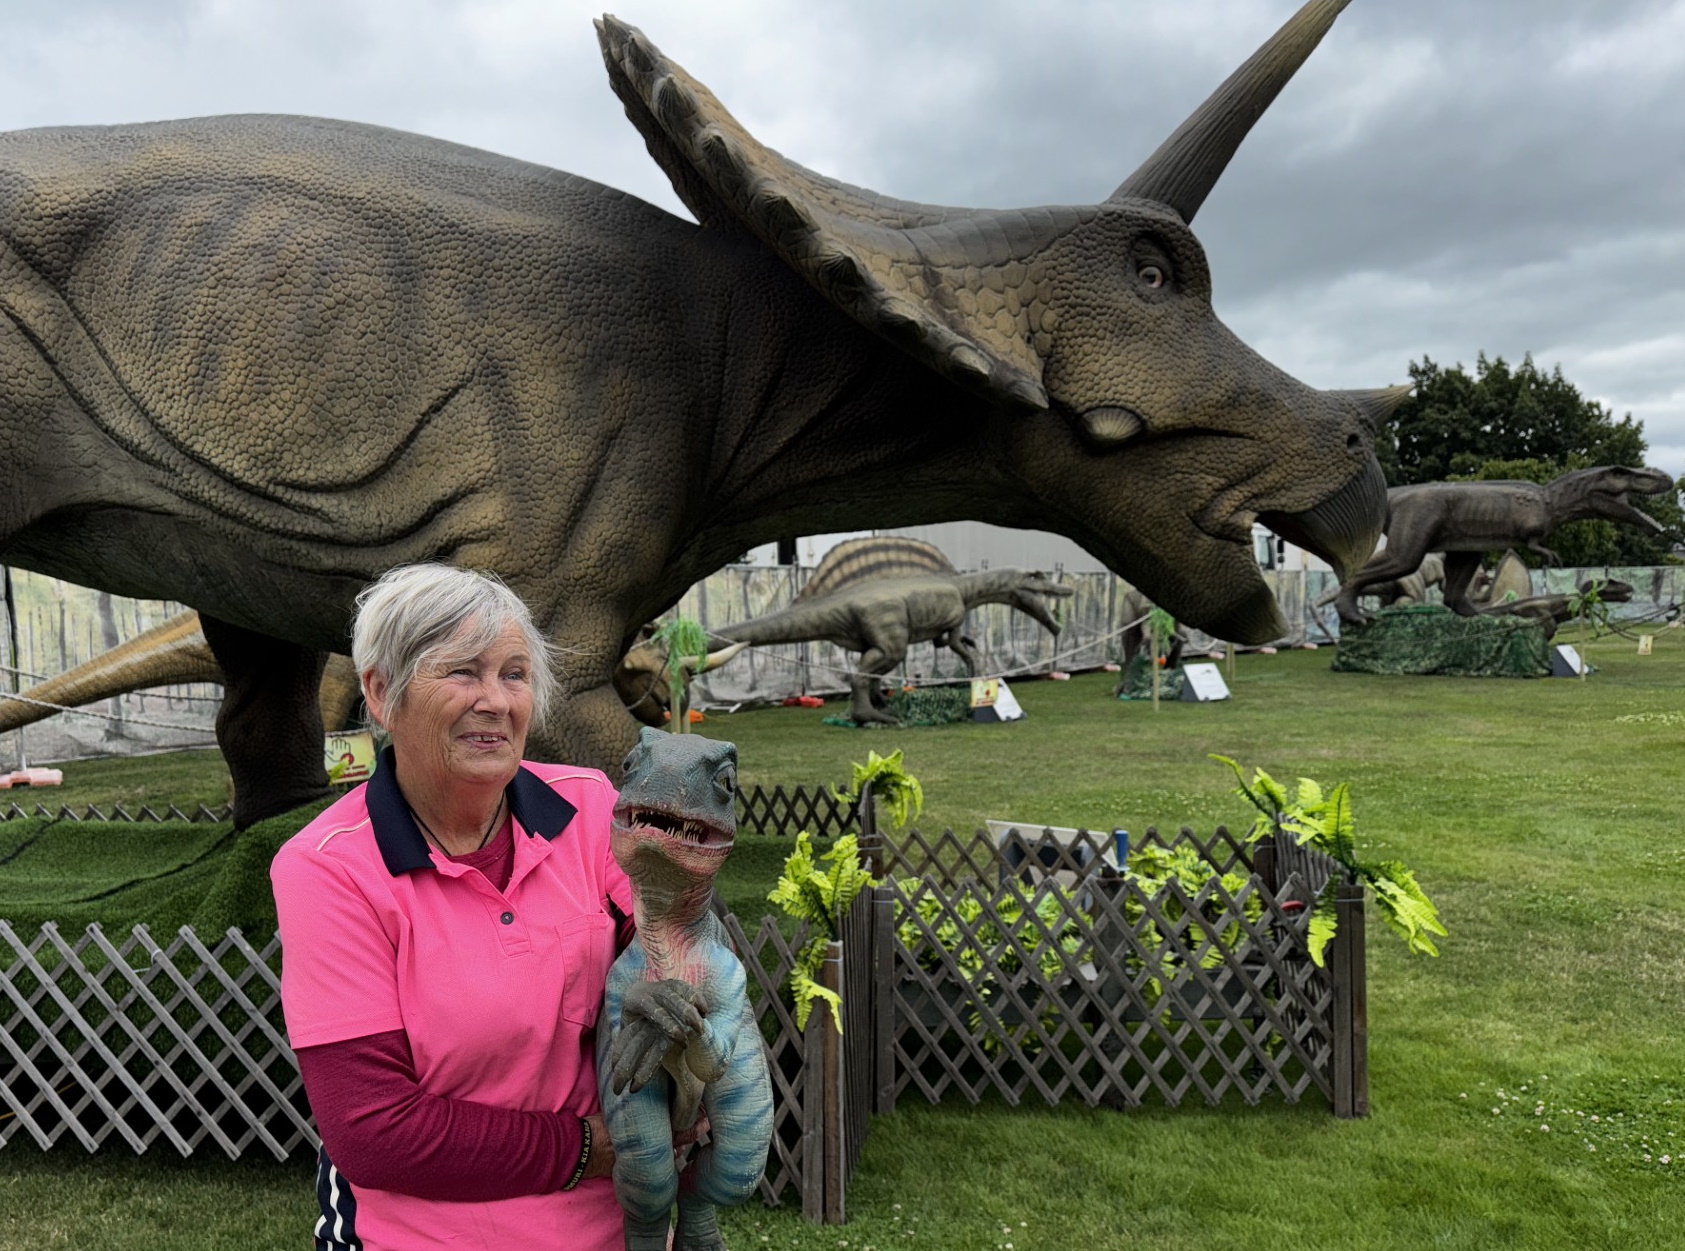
(725, 782)
(1152, 276)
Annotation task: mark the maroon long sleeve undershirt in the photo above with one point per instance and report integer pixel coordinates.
(381, 1130)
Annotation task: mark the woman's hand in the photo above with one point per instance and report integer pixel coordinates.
(600, 1163)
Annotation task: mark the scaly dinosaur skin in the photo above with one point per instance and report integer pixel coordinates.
(679, 1033)
(251, 363)
(1465, 519)
(881, 617)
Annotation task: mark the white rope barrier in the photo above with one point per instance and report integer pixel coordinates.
(103, 716)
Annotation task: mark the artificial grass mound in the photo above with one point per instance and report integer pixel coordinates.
(919, 705)
(1137, 680)
(1431, 639)
(122, 874)
(171, 874)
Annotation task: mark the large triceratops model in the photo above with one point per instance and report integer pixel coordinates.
(249, 363)
(680, 1037)
(1466, 519)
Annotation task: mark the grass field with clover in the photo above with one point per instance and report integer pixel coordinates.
(1528, 1085)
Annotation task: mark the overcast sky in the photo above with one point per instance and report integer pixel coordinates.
(1443, 177)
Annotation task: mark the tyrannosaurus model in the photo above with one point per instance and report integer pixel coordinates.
(881, 617)
(680, 1033)
(1465, 519)
(250, 363)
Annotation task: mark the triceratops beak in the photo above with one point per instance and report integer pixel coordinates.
(1344, 528)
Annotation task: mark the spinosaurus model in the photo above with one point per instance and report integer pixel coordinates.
(250, 363)
(680, 1034)
(1465, 519)
(882, 616)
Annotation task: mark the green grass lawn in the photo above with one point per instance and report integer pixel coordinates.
(1539, 815)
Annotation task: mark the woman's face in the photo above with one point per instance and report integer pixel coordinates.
(462, 720)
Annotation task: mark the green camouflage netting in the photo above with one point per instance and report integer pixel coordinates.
(1430, 638)
(1137, 680)
(923, 705)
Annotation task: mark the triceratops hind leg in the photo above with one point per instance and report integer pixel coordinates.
(270, 724)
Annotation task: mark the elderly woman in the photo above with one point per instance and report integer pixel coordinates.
(447, 932)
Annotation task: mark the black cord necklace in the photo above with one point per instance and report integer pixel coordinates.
(496, 820)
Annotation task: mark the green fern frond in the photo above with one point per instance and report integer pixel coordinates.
(805, 987)
(1405, 907)
(1325, 920)
(887, 778)
(684, 639)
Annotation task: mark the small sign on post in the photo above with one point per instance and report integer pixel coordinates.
(1565, 662)
(1645, 643)
(993, 700)
(1203, 683)
(349, 757)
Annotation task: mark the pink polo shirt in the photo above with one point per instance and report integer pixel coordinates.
(498, 991)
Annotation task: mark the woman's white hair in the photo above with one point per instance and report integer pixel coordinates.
(419, 613)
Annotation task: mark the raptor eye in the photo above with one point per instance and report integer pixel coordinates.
(1152, 276)
(631, 759)
(725, 782)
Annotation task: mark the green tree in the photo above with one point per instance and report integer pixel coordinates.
(1523, 423)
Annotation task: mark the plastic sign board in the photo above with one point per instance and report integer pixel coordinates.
(993, 700)
(1565, 662)
(349, 757)
(1203, 683)
(1645, 643)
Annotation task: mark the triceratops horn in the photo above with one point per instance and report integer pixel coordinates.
(1377, 405)
(714, 659)
(1187, 165)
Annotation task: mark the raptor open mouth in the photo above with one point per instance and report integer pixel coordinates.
(689, 831)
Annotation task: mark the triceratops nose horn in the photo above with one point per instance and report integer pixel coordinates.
(1376, 406)
(1187, 165)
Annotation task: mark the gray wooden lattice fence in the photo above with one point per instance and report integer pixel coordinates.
(1027, 967)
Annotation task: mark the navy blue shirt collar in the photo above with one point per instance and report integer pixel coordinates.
(541, 812)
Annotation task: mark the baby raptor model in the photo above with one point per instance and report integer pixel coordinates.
(679, 1034)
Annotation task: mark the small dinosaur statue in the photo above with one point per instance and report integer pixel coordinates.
(1465, 519)
(679, 1034)
(881, 617)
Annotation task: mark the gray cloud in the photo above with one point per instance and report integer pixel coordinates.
(1441, 178)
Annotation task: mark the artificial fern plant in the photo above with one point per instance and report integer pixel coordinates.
(685, 639)
(820, 897)
(1325, 822)
(887, 778)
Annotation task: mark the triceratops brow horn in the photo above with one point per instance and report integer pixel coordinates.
(1187, 165)
(713, 661)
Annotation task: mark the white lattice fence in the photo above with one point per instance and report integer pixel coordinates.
(141, 1042)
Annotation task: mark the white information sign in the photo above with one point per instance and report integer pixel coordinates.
(1203, 683)
(993, 700)
(1565, 662)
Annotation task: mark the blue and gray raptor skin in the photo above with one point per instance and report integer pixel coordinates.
(679, 1034)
